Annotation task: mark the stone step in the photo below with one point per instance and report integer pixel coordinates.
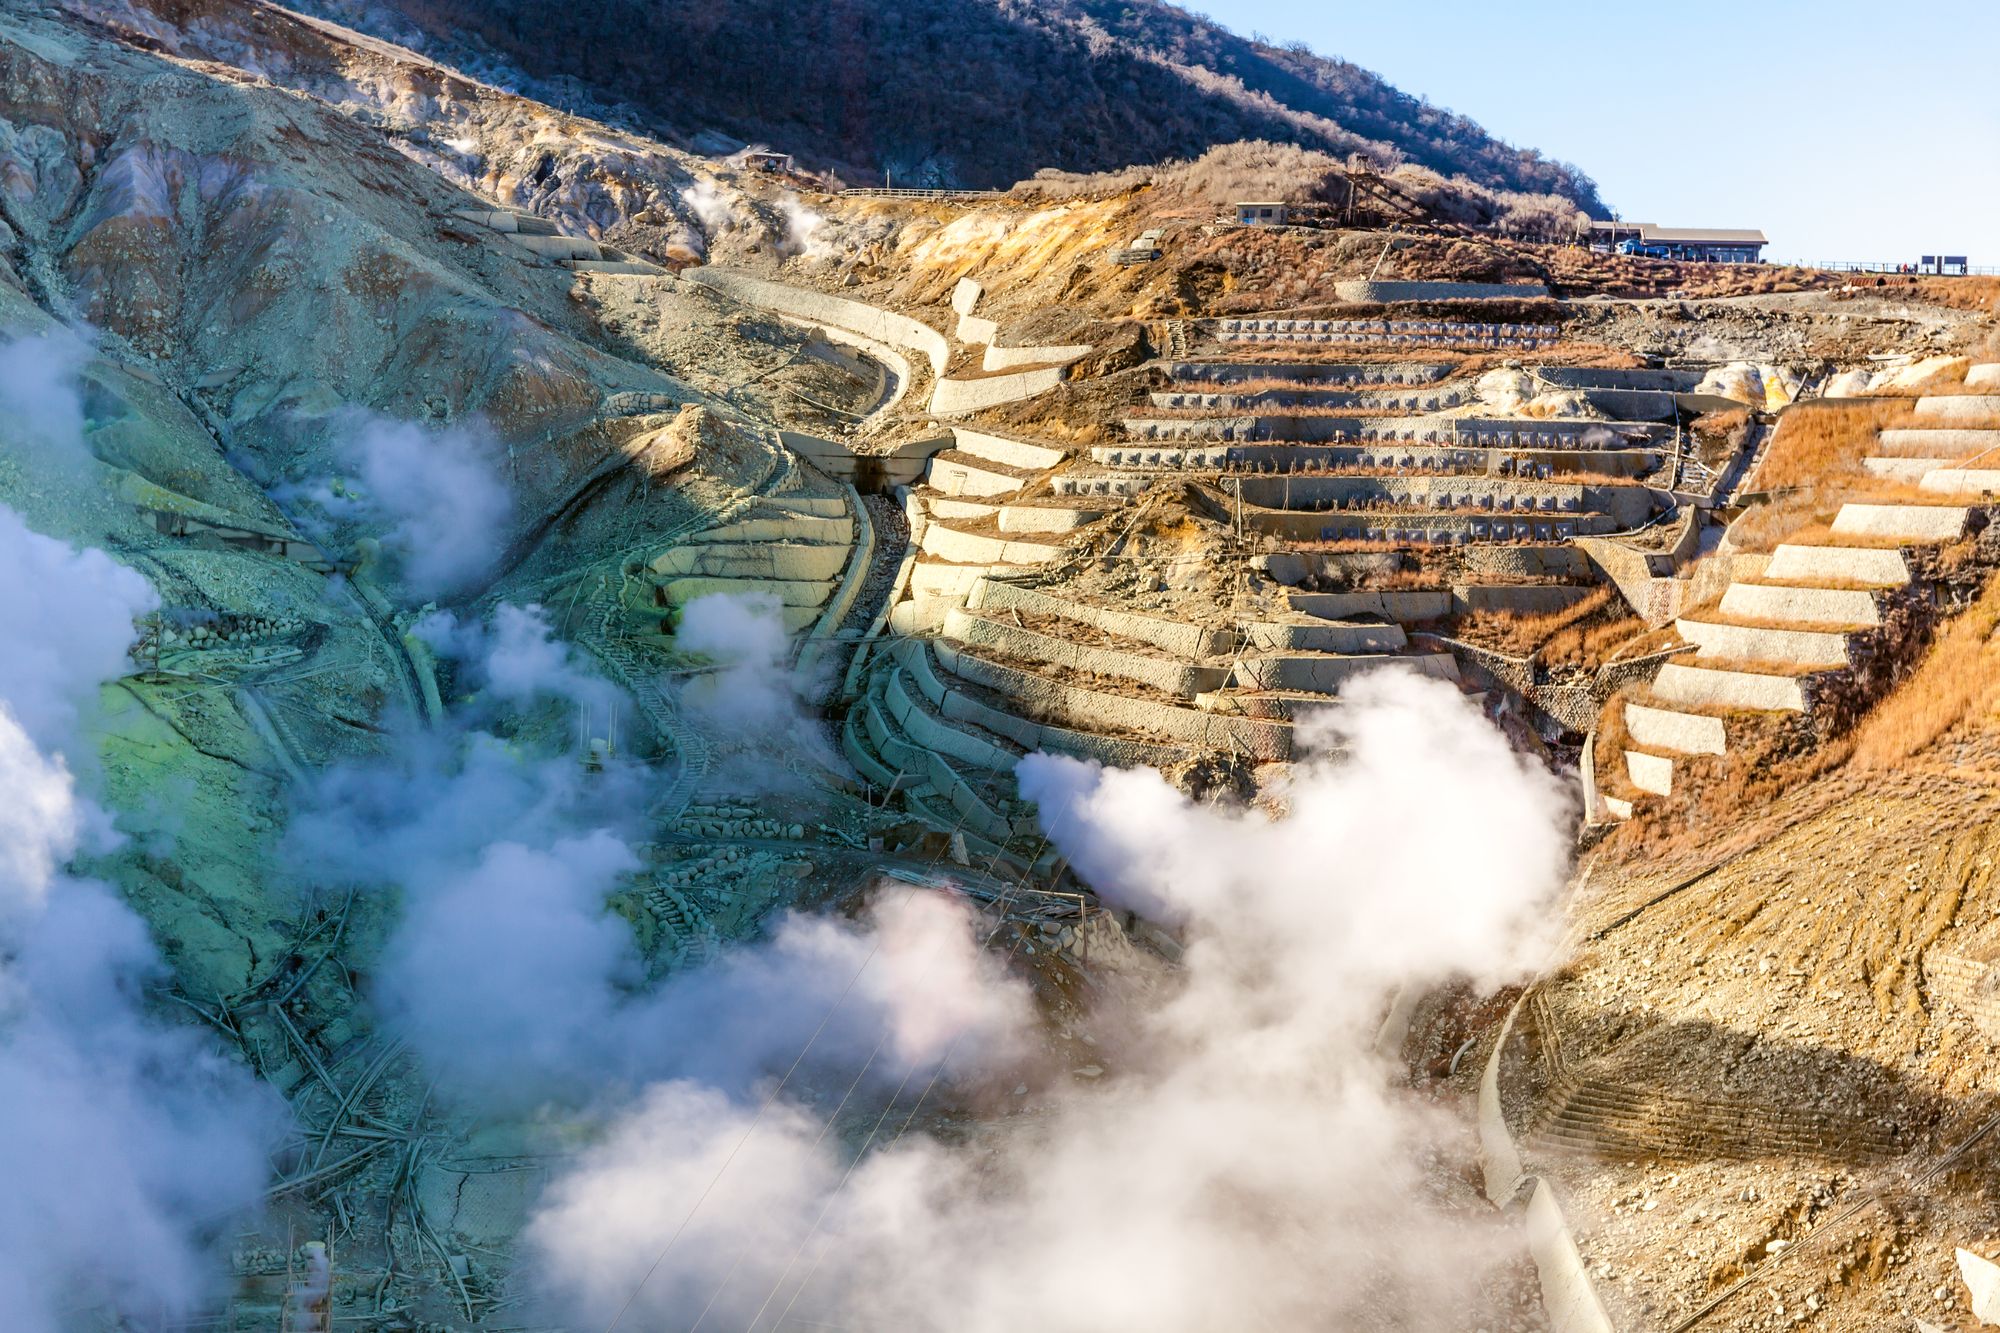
(1664, 730)
(1711, 687)
(944, 578)
(1815, 606)
(1747, 643)
(813, 506)
(1911, 523)
(1962, 481)
(1838, 564)
(1985, 375)
(1012, 453)
(1652, 773)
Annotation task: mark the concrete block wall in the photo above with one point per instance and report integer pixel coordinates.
(1287, 459)
(1303, 372)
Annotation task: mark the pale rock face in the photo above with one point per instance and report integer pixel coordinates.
(1982, 1281)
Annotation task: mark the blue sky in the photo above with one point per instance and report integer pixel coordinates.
(1843, 130)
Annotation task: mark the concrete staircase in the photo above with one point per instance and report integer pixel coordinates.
(1775, 641)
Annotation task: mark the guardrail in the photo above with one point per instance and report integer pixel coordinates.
(1892, 267)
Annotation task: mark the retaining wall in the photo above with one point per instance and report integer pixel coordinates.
(817, 308)
(1940, 442)
(1170, 636)
(1005, 449)
(1086, 708)
(1179, 678)
(1839, 564)
(1052, 354)
(959, 397)
(901, 465)
(915, 657)
(1367, 292)
(1805, 648)
(1681, 733)
(1960, 407)
(1304, 372)
(1404, 607)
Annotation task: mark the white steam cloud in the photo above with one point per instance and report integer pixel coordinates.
(805, 231)
(713, 207)
(1244, 1164)
(434, 499)
(516, 658)
(122, 1139)
(38, 396)
(752, 689)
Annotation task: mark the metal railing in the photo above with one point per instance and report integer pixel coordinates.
(1891, 267)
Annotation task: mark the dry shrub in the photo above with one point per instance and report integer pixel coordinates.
(1959, 679)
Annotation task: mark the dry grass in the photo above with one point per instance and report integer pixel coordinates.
(1958, 680)
(1583, 634)
(1818, 441)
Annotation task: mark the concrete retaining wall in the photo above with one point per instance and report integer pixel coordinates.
(1303, 372)
(1087, 708)
(954, 398)
(973, 548)
(1012, 358)
(1960, 407)
(1024, 454)
(1569, 1300)
(773, 560)
(1682, 684)
(832, 311)
(798, 528)
(1181, 679)
(1519, 599)
(1315, 674)
(1839, 564)
(1325, 637)
(1790, 647)
(915, 657)
(1365, 292)
(1915, 523)
(928, 731)
(1680, 733)
(789, 592)
(1405, 607)
(1940, 443)
(1444, 459)
(1824, 606)
(955, 477)
(1170, 636)
(902, 465)
(1962, 481)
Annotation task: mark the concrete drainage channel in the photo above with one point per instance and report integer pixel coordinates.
(1571, 1302)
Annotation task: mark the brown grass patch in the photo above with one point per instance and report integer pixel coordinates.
(1958, 679)
(1817, 441)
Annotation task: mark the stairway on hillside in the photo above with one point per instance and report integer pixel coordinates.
(1779, 642)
